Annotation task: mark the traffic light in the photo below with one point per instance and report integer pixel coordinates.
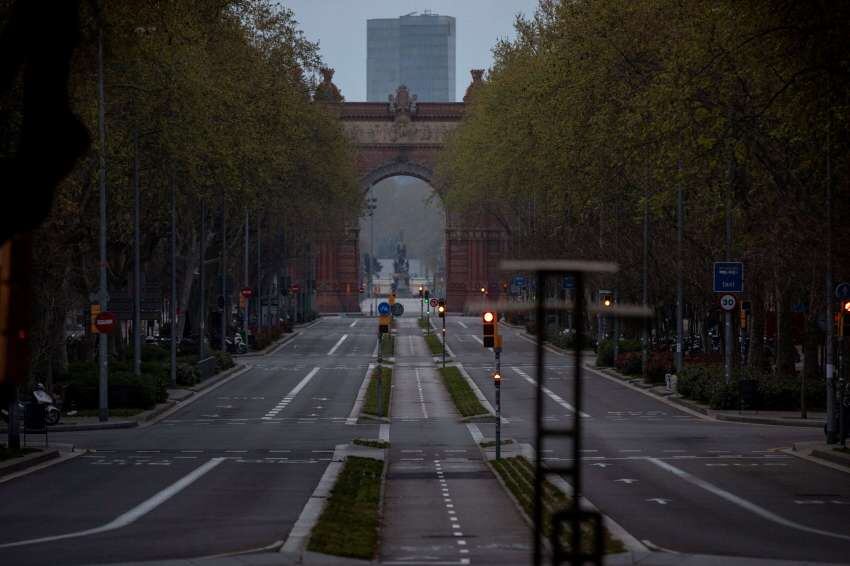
(606, 299)
(483, 290)
(844, 319)
(489, 320)
(427, 295)
(441, 308)
(421, 292)
(497, 376)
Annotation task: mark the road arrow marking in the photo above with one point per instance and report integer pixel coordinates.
(601, 465)
(659, 500)
(627, 481)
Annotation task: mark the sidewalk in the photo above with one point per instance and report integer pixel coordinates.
(175, 395)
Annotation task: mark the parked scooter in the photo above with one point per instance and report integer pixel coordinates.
(236, 345)
(52, 414)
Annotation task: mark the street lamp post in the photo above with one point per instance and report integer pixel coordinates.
(371, 205)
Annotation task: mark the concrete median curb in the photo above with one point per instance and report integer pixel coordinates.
(27, 461)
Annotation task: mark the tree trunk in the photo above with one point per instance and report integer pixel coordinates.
(185, 294)
(784, 340)
(755, 358)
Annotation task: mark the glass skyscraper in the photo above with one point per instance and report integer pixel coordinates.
(416, 50)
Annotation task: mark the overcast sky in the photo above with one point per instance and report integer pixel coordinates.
(340, 28)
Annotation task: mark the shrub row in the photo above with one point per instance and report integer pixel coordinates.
(658, 365)
(706, 384)
(127, 390)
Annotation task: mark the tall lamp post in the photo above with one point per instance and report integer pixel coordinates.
(371, 206)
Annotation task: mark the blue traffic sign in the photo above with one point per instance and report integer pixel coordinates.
(519, 281)
(728, 277)
(842, 291)
(569, 282)
(384, 308)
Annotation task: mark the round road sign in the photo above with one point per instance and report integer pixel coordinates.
(384, 308)
(727, 302)
(398, 309)
(105, 322)
(433, 303)
(842, 291)
(247, 292)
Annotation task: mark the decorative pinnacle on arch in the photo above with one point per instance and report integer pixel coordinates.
(477, 82)
(327, 91)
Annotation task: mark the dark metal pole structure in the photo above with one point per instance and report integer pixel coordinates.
(173, 301)
(103, 294)
(680, 328)
(202, 283)
(224, 297)
(537, 511)
(137, 275)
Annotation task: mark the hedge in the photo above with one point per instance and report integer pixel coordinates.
(706, 384)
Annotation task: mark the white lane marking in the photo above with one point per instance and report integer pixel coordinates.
(556, 398)
(421, 394)
(337, 345)
(462, 324)
(289, 396)
(743, 503)
(475, 432)
(136, 512)
(659, 500)
(477, 339)
(353, 324)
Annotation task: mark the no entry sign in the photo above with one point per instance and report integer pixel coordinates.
(247, 292)
(105, 322)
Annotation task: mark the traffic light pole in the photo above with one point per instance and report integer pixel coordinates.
(444, 342)
(498, 406)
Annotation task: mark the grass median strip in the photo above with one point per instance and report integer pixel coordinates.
(464, 398)
(434, 344)
(370, 407)
(388, 346)
(518, 475)
(348, 525)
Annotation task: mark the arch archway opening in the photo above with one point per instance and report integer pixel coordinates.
(409, 243)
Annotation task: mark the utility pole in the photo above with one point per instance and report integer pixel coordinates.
(680, 213)
(202, 283)
(259, 280)
(829, 354)
(137, 276)
(727, 315)
(645, 284)
(245, 271)
(223, 271)
(173, 280)
(103, 361)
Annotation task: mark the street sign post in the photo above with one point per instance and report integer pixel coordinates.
(384, 308)
(433, 303)
(842, 291)
(727, 302)
(728, 277)
(518, 281)
(247, 292)
(568, 283)
(105, 322)
(397, 309)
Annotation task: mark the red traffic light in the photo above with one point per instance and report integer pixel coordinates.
(845, 306)
(488, 316)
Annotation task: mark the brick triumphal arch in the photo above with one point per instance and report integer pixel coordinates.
(405, 137)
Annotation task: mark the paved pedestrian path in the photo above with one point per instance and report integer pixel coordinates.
(442, 504)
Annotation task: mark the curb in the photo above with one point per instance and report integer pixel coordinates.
(209, 385)
(767, 421)
(832, 456)
(270, 349)
(24, 462)
(299, 536)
